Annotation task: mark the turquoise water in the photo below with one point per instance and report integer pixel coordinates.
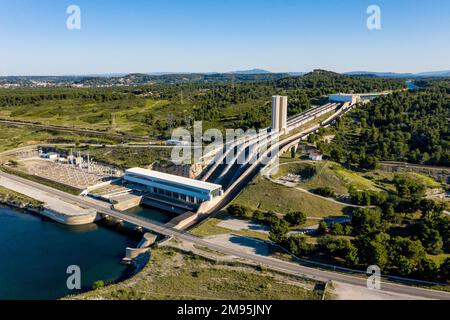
(411, 85)
(35, 254)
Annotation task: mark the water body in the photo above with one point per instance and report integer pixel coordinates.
(35, 254)
(411, 85)
(152, 214)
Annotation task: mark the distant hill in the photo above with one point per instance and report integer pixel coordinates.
(435, 74)
(327, 82)
(314, 79)
(296, 74)
(399, 75)
(252, 71)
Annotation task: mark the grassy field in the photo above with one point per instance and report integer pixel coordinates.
(384, 179)
(11, 137)
(173, 275)
(265, 195)
(122, 116)
(323, 174)
(136, 116)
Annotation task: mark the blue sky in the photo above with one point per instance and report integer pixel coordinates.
(222, 35)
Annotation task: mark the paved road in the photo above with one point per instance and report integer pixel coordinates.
(287, 267)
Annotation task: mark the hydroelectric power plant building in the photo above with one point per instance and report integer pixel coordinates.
(171, 186)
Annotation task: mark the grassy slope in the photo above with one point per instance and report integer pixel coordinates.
(127, 116)
(172, 275)
(328, 174)
(263, 194)
(87, 115)
(11, 137)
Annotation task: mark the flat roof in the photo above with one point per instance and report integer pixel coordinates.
(173, 178)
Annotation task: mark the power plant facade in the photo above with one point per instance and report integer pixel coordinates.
(279, 113)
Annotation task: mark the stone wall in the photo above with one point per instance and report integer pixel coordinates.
(184, 170)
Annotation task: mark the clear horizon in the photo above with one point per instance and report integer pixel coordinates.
(222, 36)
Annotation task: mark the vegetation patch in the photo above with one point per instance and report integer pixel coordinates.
(173, 275)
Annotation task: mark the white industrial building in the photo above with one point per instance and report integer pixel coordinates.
(279, 113)
(316, 156)
(172, 186)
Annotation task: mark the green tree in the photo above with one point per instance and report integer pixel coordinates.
(366, 221)
(98, 284)
(295, 218)
(427, 269)
(238, 210)
(431, 240)
(323, 228)
(337, 229)
(325, 192)
(408, 188)
(298, 245)
(444, 270)
(405, 254)
(278, 231)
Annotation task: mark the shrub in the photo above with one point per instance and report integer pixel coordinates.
(325, 192)
(278, 231)
(323, 228)
(295, 218)
(238, 210)
(98, 284)
(268, 218)
(445, 270)
(339, 247)
(337, 229)
(298, 245)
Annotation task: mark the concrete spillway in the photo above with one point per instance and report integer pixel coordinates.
(238, 155)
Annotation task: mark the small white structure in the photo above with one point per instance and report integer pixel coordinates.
(79, 161)
(315, 156)
(52, 156)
